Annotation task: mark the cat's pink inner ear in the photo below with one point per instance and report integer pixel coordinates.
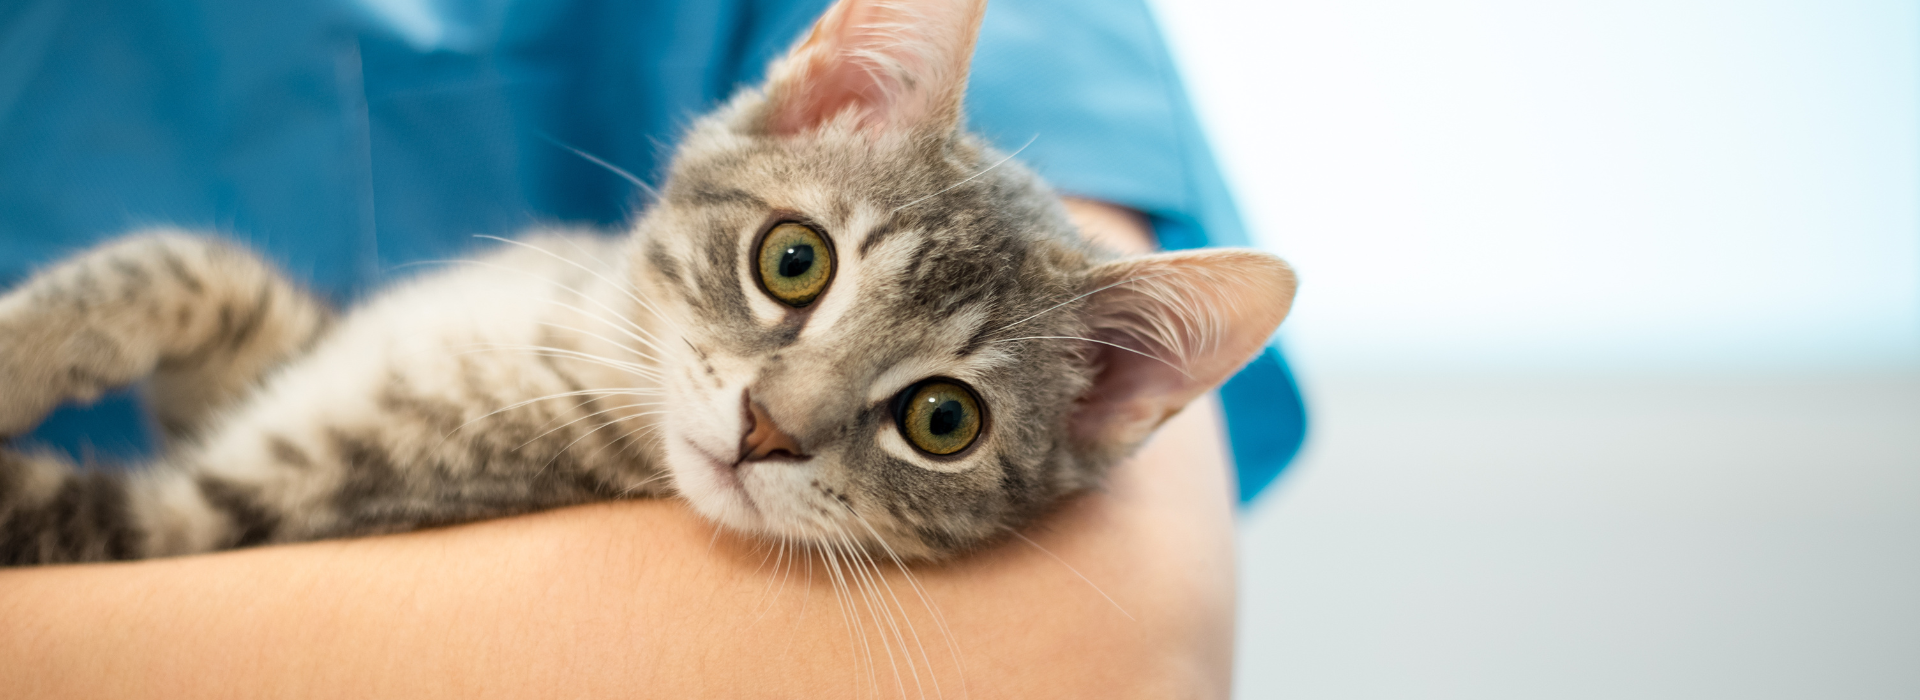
(1169, 328)
(898, 64)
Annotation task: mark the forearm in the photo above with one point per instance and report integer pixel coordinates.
(1126, 592)
(606, 599)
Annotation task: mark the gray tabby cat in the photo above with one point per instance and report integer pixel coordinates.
(844, 319)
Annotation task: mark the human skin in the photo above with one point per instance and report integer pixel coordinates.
(1126, 592)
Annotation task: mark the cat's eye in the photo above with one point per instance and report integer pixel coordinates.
(794, 263)
(939, 416)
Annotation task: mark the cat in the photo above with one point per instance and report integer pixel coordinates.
(843, 318)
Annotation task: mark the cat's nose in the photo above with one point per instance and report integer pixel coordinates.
(762, 438)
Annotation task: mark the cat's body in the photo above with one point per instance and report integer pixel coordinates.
(375, 422)
(842, 320)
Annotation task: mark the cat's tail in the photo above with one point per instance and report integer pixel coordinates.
(52, 513)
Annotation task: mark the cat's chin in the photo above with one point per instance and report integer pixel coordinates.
(712, 487)
(762, 499)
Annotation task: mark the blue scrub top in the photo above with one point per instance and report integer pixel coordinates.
(345, 138)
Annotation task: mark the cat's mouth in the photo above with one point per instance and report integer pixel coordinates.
(717, 474)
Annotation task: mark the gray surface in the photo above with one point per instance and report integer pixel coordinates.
(1584, 538)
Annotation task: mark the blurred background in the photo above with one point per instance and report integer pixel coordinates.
(1610, 329)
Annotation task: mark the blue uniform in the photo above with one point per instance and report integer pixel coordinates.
(344, 138)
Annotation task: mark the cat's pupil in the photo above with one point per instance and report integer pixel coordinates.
(796, 261)
(946, 417)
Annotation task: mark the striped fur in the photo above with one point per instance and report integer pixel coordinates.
(568, 367)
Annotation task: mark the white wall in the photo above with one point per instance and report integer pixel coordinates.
(1588, 186)
(1542, 538)
(1674, 249)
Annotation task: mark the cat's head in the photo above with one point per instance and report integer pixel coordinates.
(891, 332)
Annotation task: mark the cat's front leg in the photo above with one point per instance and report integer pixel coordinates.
(200, 316)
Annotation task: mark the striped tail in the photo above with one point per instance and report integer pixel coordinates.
(52, 514)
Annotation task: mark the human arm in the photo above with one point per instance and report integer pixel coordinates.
(645, 597)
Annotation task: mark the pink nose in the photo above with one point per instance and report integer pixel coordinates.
(763, 439)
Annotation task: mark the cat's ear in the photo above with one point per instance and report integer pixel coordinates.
(1169, 328)
(899, 64)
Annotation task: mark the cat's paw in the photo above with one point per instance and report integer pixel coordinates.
(27, 391)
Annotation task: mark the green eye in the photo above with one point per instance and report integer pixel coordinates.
(794, 264)
(939, 416)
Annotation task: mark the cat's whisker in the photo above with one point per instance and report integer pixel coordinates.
(939, 619)
(765, 590)
(567, 394)
(618, 287)
(617, 170)
(556, 284)
(869, 597)
(613, 314)
(647, 340)
(649, 307)
(642, 483)
(622, 440)
(617, 320)
(626, 288)
(585, 435)
(905, 616)
(581, 354)
(563, 426)
(856, 575)
(804, 552)
(590, 434)
(872, 572)
(441, 261)
(829, 564)
(849, 612)
(780, 575)
(614, 317)
(623, 346)
(758, 543)
(528, 402)
(610, 364)
(633, 368)
(538, 351)
(792, 549)
(833, 581)
(1078, 297)
(652, 430)
(1076, 572)
(970, 178)
(877, 606)
(558, 415)
(1175, 367)
(856, 597)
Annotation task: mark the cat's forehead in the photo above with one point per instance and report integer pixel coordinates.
(936, 255)
(945, 226)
